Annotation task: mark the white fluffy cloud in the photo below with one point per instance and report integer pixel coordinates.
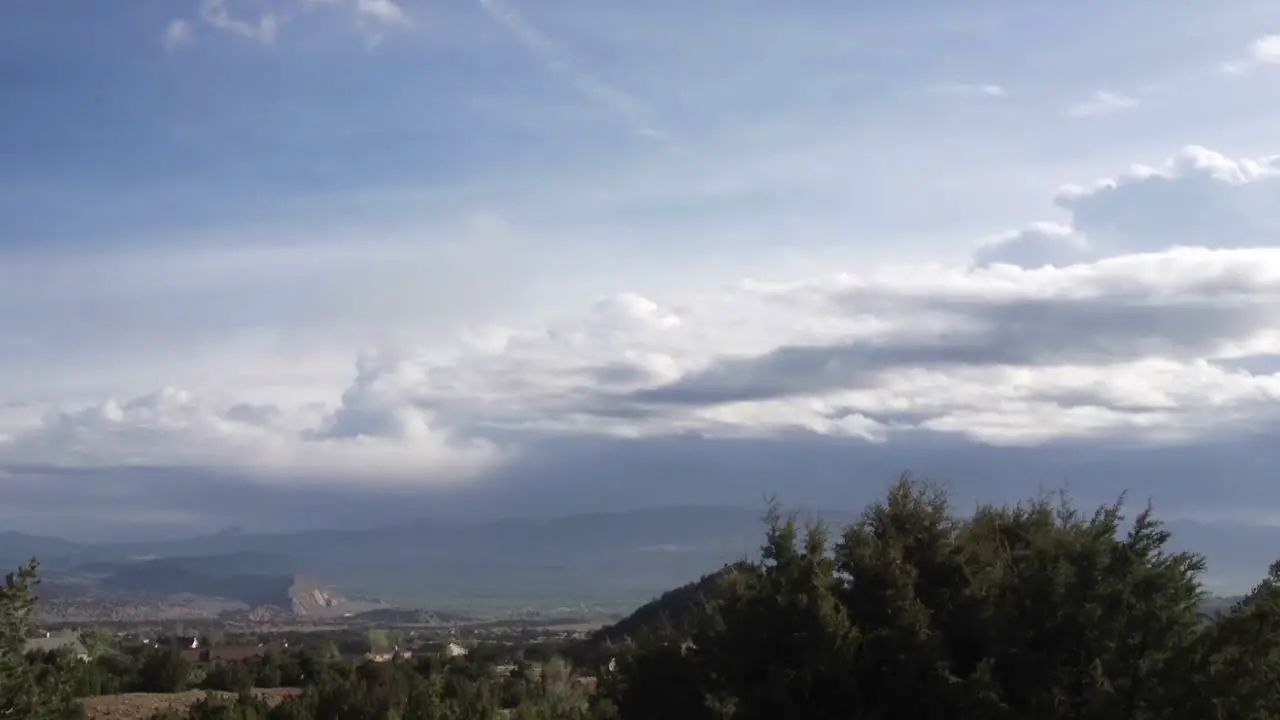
(1262, 51)
(372, 432)
(1198, 198)
(1130, 323)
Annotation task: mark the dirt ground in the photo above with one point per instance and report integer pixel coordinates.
(140, 706)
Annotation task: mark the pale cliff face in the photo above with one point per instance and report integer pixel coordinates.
(309, 599)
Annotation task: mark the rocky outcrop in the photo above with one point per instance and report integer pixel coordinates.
(308, 598)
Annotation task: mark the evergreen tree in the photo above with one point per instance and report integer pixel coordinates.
(269, 673)
(26, 691)
(1031, 611)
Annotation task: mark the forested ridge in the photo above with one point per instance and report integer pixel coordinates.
(1038, 611)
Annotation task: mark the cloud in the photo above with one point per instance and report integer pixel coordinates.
(1129, 328)
(386, 12)
(374, 17)
(1263, 51)
(558, 61)
(1197, 198)
(1120, 347)
(216, 14)
(992, 354)
(369, 432)
(982, 90)
(1101, 103)
(177, 34)
(1039, 244)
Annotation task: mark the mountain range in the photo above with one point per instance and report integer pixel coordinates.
(604, 560)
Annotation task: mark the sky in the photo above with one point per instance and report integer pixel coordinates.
(317, 263)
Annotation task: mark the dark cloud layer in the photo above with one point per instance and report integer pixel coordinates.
(1129, 324)
(567, 476)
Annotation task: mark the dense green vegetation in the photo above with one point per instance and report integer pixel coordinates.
(1034, 611)
(27, 690)
(674, 612)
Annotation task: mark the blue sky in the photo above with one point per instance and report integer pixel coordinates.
(320, 126)
(426, 248)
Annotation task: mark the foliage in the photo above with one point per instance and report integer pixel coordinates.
(1033, 611)
(163, 670)
(674, 611)
(379, 640)
(28, 690)
(98, 642)
(233, 677)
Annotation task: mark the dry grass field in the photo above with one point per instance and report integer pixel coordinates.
(140, 706)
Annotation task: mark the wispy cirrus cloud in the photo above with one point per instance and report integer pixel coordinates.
(558, 60)
(262, 23)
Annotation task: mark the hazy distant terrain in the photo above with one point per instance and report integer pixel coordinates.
(154, 588)
(619, 559)
(609, 561)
